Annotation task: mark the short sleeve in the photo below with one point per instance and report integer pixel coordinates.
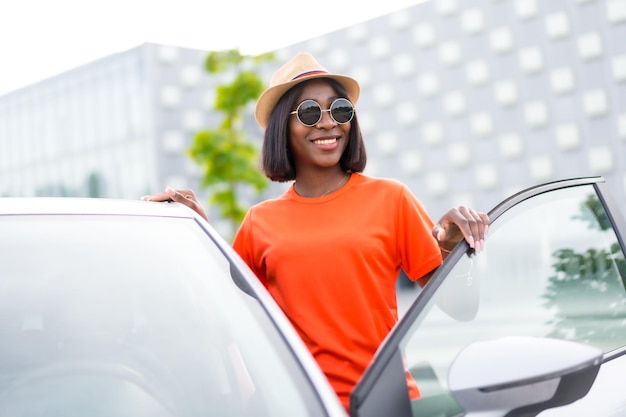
(243, 244)
(419, 251)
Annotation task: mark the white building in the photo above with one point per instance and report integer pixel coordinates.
(467, 101)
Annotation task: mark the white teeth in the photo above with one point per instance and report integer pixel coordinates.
(325, 141)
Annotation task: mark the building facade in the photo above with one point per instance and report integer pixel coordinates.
(118, 127)
(467, 101)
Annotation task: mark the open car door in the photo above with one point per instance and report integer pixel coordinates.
(533, 325)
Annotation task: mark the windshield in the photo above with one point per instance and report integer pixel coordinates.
(134, 316)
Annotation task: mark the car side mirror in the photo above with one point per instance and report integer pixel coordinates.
(521, 376)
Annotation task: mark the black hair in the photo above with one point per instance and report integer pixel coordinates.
(276, 157)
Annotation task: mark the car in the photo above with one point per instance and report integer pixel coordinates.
(132, 308)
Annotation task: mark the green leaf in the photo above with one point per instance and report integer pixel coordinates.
(229, 161)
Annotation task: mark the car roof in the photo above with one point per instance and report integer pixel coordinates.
(75, 205)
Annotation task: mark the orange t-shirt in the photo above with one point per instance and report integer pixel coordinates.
(331, 263)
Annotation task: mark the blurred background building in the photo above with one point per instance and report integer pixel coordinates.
(116, 128)
(467, 101)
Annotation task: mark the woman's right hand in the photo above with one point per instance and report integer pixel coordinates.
(186, 197)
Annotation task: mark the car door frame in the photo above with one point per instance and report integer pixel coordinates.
(380, 391)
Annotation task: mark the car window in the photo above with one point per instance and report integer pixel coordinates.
(552, 267)
(135, 316)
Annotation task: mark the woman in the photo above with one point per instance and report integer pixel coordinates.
(330, 249)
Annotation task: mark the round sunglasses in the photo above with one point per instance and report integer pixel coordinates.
(309, 112)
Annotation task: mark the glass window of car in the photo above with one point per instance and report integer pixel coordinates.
(552, 267)
(130, 315)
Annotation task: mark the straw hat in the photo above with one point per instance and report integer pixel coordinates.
(301, 67)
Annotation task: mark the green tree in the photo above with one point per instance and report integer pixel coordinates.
(95, 185)
(596, 276)
(229, 161)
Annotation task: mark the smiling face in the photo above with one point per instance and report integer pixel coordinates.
(322, 145)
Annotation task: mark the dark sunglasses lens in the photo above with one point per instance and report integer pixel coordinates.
(342, 110)
(309, 112)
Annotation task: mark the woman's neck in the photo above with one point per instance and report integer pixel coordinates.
(320, 185)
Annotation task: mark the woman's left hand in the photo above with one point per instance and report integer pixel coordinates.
(462, 222)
